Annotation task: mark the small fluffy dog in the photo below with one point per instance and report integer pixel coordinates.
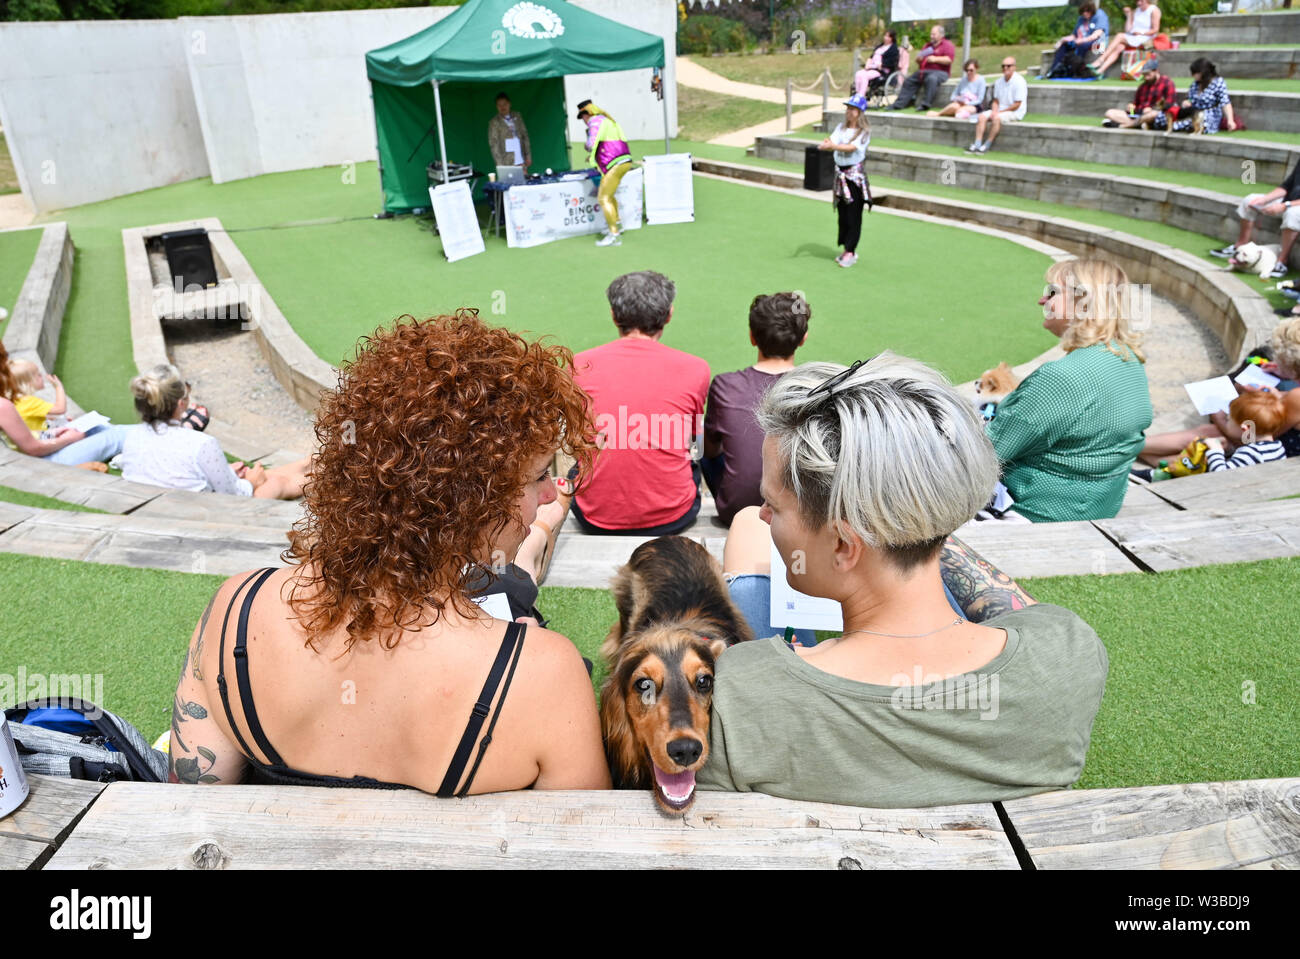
(675, 617)
(1254, 258)
(994, 385)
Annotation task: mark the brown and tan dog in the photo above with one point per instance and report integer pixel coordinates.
(675, 617)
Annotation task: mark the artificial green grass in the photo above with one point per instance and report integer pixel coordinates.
(702, 115)
(17, 251)
(8, 175)
(22, 498)
(1184, 647)
(1188, 651)
(339, 280)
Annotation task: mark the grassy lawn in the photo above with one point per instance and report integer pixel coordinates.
(8, 176)
(17, 250)
(703, 115)
(395, 266)
(1173, 710)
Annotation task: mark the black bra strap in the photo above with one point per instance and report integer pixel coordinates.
(486, 740)
(514, 632)
(241, 673)
(221, 668)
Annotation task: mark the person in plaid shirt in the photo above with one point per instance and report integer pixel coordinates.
(1155, 94)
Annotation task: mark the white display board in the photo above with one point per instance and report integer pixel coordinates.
(453, 211)
(924, 10)
(789, 607)
(542, 212)
(1024, 4)
(669, 189)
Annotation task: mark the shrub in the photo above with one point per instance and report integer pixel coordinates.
(708, 34)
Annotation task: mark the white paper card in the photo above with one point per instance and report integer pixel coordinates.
(88, 421)
(512, 147)
(789, 607)
(1212, 395)
(669, 188)
(453, 211)
(495, 605)
(1252, 375)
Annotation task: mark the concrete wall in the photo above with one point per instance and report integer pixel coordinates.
(626, 95)
(289, 91)
(1251, 63)
(96, 109)
(1245, 28)
(37, 320)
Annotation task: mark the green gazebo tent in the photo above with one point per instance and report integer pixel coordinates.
(435, 91)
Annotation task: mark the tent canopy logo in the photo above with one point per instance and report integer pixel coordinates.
(532, 21)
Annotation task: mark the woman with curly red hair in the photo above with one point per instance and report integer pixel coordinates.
(366, 662)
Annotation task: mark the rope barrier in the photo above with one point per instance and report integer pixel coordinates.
(816, 82)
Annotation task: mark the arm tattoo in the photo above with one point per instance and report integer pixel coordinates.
(183, 769)
(980, 588)
(198, 642)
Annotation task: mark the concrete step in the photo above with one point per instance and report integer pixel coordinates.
(1249, 63)
(1279, 26)
(1212, 155)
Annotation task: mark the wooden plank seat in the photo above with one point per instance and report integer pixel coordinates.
(1230, 533)
(32, 832)
(170, 544)
(112, 494)
(1250, 824)
(269, 827)
(1255, 484)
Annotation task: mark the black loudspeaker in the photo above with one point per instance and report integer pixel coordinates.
(818, 169)
(189, 259)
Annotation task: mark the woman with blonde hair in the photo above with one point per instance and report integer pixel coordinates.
(165, 453)
(608, 152)
(867, 471)
(371, 665)
(1068, 434)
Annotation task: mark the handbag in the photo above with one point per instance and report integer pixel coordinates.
(1132, 62)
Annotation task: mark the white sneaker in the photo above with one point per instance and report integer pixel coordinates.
(610, 239)
(984, 147)
(1226, 253)
(974, 147)
(847, 259)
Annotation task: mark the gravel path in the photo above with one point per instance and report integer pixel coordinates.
(232, 379)
(1179, 349)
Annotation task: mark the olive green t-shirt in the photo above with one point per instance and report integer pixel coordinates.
(1018, 725)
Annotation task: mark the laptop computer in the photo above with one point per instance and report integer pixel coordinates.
(510, 174)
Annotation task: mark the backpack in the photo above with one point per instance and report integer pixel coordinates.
(59, 738)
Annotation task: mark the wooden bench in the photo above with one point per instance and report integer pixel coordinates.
(1251, 824)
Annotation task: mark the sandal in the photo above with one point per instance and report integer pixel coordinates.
(196, 418)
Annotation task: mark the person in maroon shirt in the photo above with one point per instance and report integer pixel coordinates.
(1154, 95)
(733, 442)
(933, 69)
(647, 401)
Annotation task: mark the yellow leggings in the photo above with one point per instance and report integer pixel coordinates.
(605, 194)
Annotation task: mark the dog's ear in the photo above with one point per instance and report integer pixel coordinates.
(717, 647)
(1004, 368)
(620, 741)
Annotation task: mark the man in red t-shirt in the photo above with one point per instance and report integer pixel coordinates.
(648, 404)
(933, 69)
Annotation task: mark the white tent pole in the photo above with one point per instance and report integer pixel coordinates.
(442, 142)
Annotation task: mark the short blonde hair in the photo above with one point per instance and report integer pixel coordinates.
(26, 375)
(892, 453)
(1286, 344)
(1099, 305)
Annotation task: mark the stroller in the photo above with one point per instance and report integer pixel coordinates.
(883, 90)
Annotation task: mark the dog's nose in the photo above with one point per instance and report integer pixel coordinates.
(685, 751)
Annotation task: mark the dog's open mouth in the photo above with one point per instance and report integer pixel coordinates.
(675, 790)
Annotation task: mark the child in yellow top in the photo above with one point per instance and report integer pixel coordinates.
(34, 410)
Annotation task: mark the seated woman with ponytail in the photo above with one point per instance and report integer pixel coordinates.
(165, 453)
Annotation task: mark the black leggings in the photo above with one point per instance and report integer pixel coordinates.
(850, 214)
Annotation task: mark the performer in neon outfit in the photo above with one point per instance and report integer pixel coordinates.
(608, 151)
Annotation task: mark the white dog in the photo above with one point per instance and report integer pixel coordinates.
(1253, 258)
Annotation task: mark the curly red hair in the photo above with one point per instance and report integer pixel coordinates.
(423, 449)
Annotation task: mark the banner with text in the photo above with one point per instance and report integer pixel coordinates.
(669, 190)
(540, 213)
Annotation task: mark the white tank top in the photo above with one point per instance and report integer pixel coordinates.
(1142, 19)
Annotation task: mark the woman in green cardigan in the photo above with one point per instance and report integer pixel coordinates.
(1069, 433)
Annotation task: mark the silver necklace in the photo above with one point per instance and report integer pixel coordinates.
(955, 622)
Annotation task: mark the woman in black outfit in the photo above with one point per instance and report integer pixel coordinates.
(852, 191)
